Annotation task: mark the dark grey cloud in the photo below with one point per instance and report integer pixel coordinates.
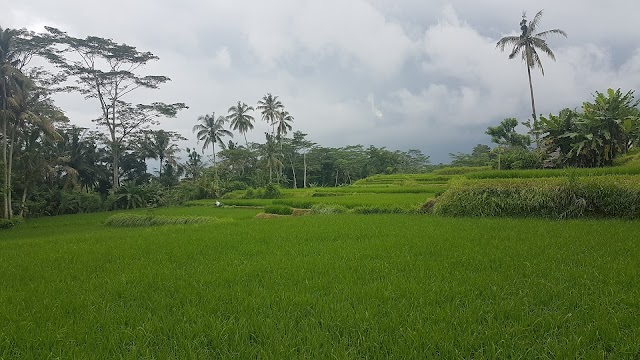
(429, 68)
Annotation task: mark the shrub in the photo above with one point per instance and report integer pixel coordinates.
(278, 209)
(516, 159)
(185, 191)
(272, 191)
(236, 185)
(79, 202)
(9, 223)
(249, 194)
(135, 220)
(617, 197)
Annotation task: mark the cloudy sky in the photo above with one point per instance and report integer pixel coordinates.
(405, 74)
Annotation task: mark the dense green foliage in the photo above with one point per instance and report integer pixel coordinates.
(9, 223)
(320, 287)
(558, 198)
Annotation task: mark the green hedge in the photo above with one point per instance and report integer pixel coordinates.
(605, 196)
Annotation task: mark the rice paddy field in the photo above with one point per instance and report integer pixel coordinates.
(321, 286)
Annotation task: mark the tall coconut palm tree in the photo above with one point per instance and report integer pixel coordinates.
(271, 156)
(284, 121)
(211, 131)
(9, 63)
(160, 145)
(270, 107)
(240, 119)
(527, 45)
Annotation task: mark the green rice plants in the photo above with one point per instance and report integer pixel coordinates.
(278, 209)
(383, 189)
(347, 286)
(245, 202)
(548, 173)
(299, 203)
(136, 220)
(327, 209)
(453, 170)
(400, 179)
(380, 209)
(325, 194)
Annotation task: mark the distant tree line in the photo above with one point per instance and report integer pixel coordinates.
(49, 166)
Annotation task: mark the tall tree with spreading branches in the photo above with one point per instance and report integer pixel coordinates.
(107, 71)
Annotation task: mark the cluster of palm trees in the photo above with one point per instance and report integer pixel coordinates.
(211, 130)
(27, 113)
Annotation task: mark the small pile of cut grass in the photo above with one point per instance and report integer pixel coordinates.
(135, 220)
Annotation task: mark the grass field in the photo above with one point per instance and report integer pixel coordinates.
(347, 286)
(348, 200)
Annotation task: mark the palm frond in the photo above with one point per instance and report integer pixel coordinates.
(542, 46)
(516, 50)
(533, 24)
(545, 34)
(535, 61)
(508, 41)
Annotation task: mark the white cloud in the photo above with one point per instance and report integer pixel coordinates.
(431, 66)
(222, 58)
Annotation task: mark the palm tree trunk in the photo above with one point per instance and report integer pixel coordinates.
(5, 164)
(215, 169)
(116, 165)
(293, 170)
(533, 109)
(304, 180)
(24, 200)
(9, 170)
